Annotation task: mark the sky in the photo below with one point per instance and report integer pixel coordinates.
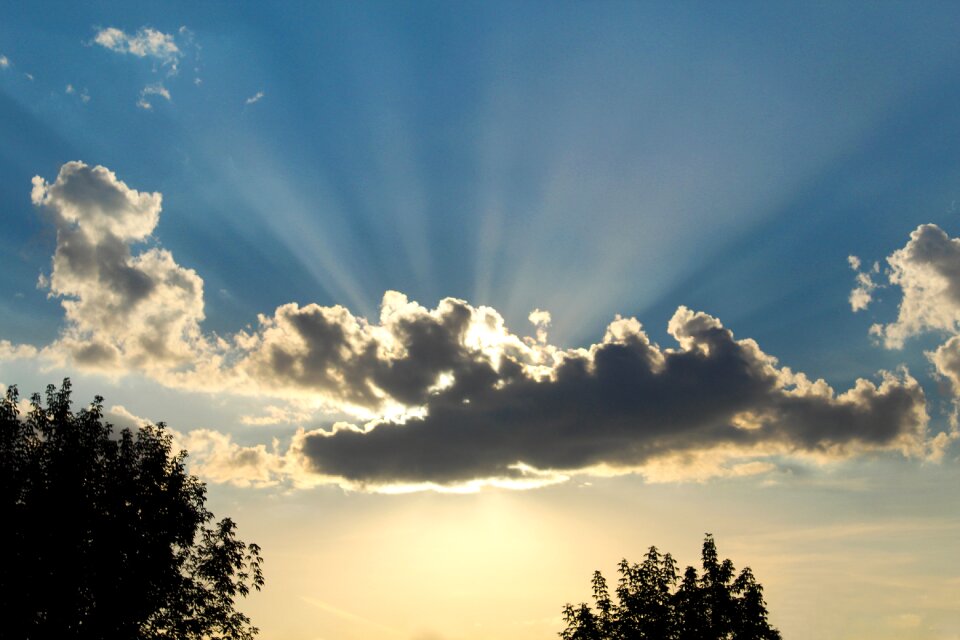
(453, 303)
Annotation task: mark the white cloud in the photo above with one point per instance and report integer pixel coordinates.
(927, 271)
(452, 398)
(157, 89)
(10, 351)
(145, 43)
(862, 295)
(121, 310)
(257, 97)
(215, 457)
(4, 62)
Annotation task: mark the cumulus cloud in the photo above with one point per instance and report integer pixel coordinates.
(624, 404)
(447, 397)
(257, 97)
(122, 311)
(145, 43)
(927, 271)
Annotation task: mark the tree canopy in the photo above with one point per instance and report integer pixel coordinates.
(105, 535)
(653, 602)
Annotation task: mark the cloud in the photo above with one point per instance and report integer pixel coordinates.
(623, 404)
(862, 294)
(10, 351)
(157, 89)
(274, 414)
(215, 457)
(257, 97)
(121, 310)
(4, 62)
(927, 272)
(446, 398)
(165, 50)
(145, 43)
(83, 95)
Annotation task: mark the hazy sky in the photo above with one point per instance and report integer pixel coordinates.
(453, 303)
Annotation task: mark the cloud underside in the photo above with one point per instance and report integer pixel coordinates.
(445, 397)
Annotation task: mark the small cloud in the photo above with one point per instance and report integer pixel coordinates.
(862, 295)
(83, 95)
(4, 62)
(28, 76)
(257, 97)
(145, 43)
(152, 90)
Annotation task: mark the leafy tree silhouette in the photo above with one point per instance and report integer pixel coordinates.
(107, 536)
(653, 603)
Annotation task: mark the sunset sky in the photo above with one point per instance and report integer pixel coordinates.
(454, 303)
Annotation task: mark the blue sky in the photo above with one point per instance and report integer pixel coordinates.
(586, 159)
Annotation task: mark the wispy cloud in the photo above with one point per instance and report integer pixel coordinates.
(83, 96)
(158, 89)
(257, 97)
(145, 43)
(165, 50)
(862, 294)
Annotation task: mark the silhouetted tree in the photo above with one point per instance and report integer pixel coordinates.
(105, 535)
(651, 605)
